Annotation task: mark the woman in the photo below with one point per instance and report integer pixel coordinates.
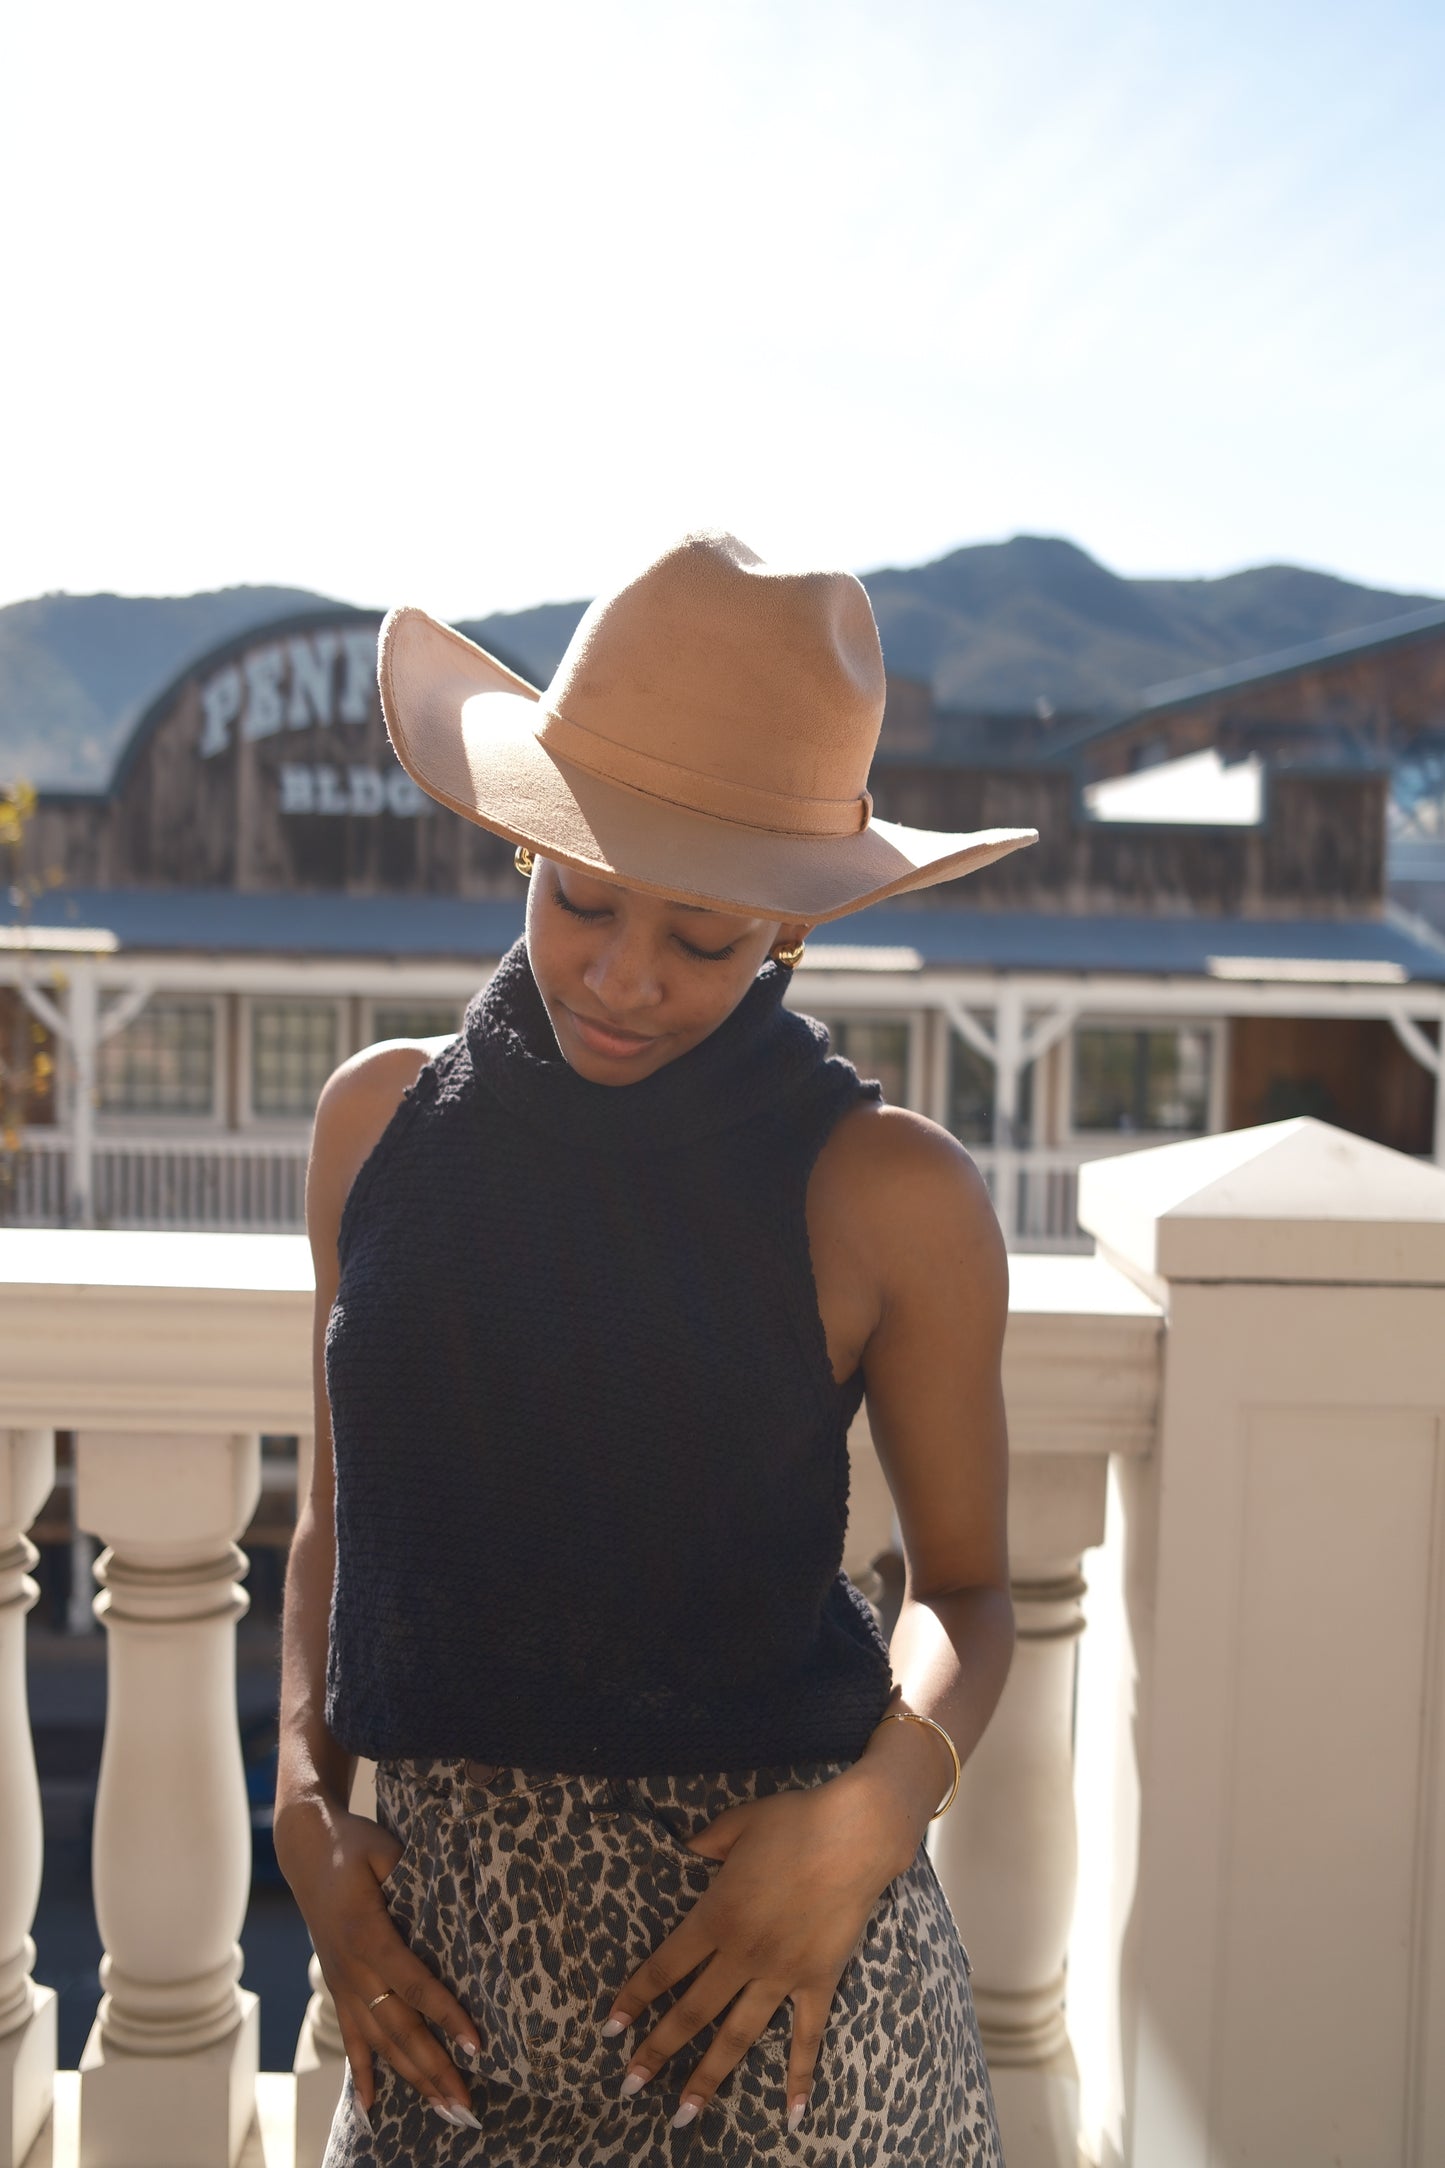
(601, 1282)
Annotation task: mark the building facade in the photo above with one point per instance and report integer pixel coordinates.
(260, 890)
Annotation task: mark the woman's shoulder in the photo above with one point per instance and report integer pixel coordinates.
(354, 1107)
(901, 1185)
(874, 1143)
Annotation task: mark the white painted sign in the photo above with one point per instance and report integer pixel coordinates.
(313, 678)
(317, 787)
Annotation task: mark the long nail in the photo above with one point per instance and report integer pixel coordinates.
(613, 2027)
(798, 2110)
(471, 2050)
(451, 2113)
(685, 2113)
(632, 2083)
(366, 2119)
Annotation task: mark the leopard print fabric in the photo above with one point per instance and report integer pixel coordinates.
(535, 1896)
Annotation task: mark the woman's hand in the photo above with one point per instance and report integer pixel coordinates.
(335, 1863)
(801, 1872)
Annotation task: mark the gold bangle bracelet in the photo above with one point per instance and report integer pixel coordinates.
(911, 1716)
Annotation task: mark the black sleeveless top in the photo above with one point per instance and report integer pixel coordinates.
(591, 1459)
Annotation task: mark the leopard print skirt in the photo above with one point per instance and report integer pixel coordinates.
(535, 1896)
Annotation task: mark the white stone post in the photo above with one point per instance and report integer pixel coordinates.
(27, 2011)
(1266, 1944)
(1005, 1851)
(167, 2078)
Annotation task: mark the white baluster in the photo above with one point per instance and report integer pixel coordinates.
(319, 2065)
(1006, 1852)
(168, 2074)
(320, 2061)
(27, 2012)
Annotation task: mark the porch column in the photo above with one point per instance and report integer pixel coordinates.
(168, 2075)
(1008, 1061)
(27, 2012)
(80, 1028)
(1431, 1058)
(1006, 1850)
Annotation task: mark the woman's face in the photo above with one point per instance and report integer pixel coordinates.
(631, 981)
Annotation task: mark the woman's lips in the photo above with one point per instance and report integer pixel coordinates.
(605, 1039)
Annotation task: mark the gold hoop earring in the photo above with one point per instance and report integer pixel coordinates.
(791, 954)
(523, 860)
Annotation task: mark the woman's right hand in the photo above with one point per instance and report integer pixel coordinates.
(335, 1863)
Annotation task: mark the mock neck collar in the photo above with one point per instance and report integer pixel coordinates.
(758, 1054)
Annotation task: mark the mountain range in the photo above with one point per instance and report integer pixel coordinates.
(1030, 625)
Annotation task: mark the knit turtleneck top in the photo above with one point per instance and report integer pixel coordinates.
(591, 1459)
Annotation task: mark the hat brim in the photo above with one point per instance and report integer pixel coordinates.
(464, 728)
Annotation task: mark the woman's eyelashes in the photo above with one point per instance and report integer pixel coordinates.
(575, 910)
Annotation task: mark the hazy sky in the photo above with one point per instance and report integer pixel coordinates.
(476, 306)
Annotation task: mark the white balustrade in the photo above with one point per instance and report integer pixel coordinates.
(167, 1355)
(1260, 1774)
(27, 2011)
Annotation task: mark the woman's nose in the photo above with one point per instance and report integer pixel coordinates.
(623, 976)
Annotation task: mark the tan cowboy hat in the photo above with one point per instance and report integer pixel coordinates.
(707, 736)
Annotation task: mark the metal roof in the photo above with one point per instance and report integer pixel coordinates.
(179, 921)
(1365, 950)
(1175, 692)
(286, 922)
(1183, 692)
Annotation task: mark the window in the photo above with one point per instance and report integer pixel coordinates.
(293, 1052)
(1146, 1080)
(413, 1019)
(877, 1046)
(971, 1093)
(162, 1062)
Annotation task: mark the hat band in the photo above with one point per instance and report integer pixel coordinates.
(725, 800)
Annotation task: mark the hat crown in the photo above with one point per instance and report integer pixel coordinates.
(711, 661)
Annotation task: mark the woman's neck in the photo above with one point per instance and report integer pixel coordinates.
(760, 1050)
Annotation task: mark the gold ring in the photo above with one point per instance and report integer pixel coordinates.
(380, 1998)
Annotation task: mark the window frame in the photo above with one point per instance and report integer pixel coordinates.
(114, 1122)
(913, 1019)
(372, 1002)
(1126, 1140)
(248, 1121)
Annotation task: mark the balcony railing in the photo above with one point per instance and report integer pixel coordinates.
(228, 1183)
(1193, 1747)
(258, 1185)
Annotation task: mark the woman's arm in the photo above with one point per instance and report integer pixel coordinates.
(333, 1859)
(912, 1271)
(933, 1370)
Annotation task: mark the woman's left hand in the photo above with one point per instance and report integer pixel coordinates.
(801, 1872)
